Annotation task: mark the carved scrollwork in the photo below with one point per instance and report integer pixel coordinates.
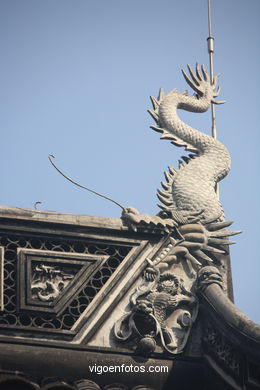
(164, 306)
(162, 312)
(208, 275)
(49, 281)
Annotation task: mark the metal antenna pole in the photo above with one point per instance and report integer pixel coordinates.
(210, 40)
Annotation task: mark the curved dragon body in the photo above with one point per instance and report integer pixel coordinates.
(193, 220)
(192, 188)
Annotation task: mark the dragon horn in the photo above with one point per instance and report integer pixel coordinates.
(194, 78)
(215, 80)
(205, 74)
(215, 95)
(191, 84)
(198, 72)
(217, 91)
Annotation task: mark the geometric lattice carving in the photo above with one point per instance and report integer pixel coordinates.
(49, 279)
(222, 349)
(25, 253)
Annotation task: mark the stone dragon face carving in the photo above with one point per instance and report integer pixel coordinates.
(159, 312)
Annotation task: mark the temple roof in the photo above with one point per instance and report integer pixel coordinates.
(78, 321)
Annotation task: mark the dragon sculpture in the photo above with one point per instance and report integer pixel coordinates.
(188, 196)
(193, 185)
(162, 308)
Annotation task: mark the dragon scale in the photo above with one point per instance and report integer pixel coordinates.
(193, 185)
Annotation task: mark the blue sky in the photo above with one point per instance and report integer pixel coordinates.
(76, 77)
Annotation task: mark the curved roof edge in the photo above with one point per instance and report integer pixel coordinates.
(242, 331)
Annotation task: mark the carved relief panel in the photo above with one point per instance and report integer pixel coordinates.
(52, 278)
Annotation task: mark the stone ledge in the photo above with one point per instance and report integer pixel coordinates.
(62, 218)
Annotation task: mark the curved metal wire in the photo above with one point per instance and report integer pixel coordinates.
(81, 186)
(36, 204)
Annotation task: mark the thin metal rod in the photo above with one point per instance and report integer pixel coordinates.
(209, 18)
(81, 186)
(211, 65)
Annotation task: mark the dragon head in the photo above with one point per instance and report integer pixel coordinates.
(202, 85)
